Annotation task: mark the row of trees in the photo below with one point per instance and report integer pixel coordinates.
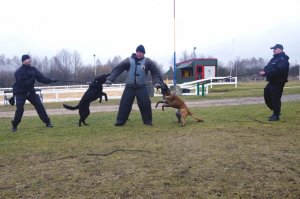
(68, 66)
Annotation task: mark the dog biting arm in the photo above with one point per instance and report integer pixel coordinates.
(155, 73)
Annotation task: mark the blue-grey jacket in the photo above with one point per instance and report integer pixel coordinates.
(137, 71)
(277, 69)
(25, 77)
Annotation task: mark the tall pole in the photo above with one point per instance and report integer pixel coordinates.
(236, 68)
(174, 79)
(95, 65)
(298, 70)
(195, 52)
(231, 65)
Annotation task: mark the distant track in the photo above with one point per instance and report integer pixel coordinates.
(202, 103)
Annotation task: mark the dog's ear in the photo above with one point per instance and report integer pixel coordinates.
(165, 86)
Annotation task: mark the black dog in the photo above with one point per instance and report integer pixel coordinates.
(94, 92)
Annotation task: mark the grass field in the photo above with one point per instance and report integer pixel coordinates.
(234, 153)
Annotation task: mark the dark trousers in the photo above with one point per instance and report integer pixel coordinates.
(272, 95)
(35, 100)
(143, 102)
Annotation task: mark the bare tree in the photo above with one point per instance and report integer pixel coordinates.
(45, 65)
(76, 62)
(62, 65)
(15, 63)
(85, 74)
(2, 62)
(184, 56)
(169, 74)
(222, 71)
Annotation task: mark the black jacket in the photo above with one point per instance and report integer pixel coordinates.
(25, 77)
(277, 69)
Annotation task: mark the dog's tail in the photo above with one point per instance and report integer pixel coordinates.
(71, 107)
(197, 118)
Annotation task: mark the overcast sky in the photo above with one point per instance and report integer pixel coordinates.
(221, 29)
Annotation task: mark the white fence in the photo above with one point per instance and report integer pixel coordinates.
(75, 92)
(65, 93)
(201, 87)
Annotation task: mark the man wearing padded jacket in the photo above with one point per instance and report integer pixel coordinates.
(23, 89)
(276, 73)
(137, 67)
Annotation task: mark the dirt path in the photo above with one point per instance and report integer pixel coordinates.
(202, 103)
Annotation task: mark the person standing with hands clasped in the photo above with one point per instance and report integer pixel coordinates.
(276, 73)
(23, 89)
(137, 67)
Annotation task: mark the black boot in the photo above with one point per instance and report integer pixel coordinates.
(274, 118)
(49, 125)
(14, 127)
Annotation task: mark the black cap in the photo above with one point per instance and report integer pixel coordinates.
(277, 46)
(141, 49)
(24, 57)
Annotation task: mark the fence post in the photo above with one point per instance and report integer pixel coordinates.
(198, 89)
(202, 90)
(235, 79)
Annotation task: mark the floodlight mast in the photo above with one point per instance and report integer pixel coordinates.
(174, 61)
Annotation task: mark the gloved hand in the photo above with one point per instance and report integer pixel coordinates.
(12, 101)
(108, 82)
(54, 80)
(157, 86)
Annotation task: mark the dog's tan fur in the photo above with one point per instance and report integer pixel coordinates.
(172, 100)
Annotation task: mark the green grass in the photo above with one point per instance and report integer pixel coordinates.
(234, 153)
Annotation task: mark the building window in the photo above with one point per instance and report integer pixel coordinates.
(187, 72)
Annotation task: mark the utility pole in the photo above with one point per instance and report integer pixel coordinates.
(95, 65)
(231, 65)
(298, 70)
(195, 52)
(174, 78)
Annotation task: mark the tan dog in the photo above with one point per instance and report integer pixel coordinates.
(172, 100)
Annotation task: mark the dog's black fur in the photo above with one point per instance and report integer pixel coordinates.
(94, 92)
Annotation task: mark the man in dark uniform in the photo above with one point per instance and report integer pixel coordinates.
(276, 73)
(137, 67)
(23, 89)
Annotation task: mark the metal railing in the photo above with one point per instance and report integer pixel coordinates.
(202, 85)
